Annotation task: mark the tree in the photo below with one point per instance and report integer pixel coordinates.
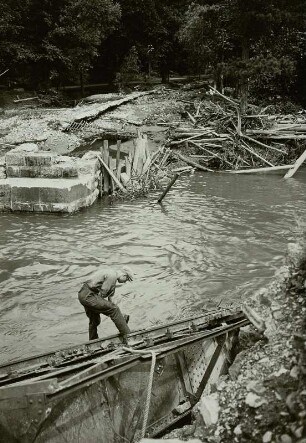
(54, 37)
(81, 28)
(130, 67)
(245, 39)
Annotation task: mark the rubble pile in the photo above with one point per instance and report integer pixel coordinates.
(263, 399)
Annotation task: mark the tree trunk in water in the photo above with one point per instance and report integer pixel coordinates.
(244, 79)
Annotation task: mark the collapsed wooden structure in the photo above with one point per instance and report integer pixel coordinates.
(216, 137)
(101, 391)
(138, 173)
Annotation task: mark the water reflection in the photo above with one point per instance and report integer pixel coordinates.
(214, 237)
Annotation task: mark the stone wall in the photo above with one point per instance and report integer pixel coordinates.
(34, 180)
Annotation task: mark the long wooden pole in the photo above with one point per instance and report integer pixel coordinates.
(111, 173)
(267, 169)
(169, 186)
(105, 156)
(262, 144)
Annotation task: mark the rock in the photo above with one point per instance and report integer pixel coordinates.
(254, 401)
(237, 430)
(208, 407)
(294, 373)
(172, 440)
(299, 432)
(285, 438)
(280, 372)
(256, 386)
(267, 437)
(27, 147)
(235, 369)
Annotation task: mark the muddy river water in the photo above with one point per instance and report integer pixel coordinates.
(215, 237)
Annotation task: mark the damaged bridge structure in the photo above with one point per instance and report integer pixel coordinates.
(41, 181)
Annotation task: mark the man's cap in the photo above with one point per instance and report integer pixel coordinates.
(128, 272)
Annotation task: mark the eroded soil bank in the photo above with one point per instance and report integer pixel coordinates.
(263, 399)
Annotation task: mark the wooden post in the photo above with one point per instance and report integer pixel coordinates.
(170, 184)
(103, 174)
(105, 157)
(118, 158)
(111, 181)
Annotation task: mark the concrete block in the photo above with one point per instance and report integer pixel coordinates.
(42, 158)
(5, 194)
(31, 172)
(13, 171)
(88, 166)
(15, 159)
(24, 193)
(50, 194)
(22, 206)
(51, 171)
(69, 172)
(42, 207)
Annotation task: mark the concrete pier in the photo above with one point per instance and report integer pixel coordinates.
(41, 181)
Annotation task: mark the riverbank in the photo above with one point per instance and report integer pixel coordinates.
(263, 398)
(197, 124)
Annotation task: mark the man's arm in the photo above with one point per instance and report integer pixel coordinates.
(108, 287)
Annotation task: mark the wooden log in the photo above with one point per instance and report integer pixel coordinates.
(26, 99)
(183, 169)
(177, 142)
(128, 164)
(212, 153)
(192, 163)
(143, 141)
(111, 173)
(245, 146)
(118, 158)
(262, 144)
(105, 157)
(267, 169)
(4, 72)
(169, 186)
(296, 166)
(215, 91)
(191, 118)
(124, 178)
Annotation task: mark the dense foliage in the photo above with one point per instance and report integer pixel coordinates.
(256, 45)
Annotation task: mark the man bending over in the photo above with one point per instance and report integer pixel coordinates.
(96, 296)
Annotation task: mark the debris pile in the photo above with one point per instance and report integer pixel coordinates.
(217, 137)
(137, 174)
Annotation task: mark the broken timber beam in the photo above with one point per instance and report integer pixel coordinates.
(296, 166)
(192, 163)
(266, 169)
(111, 173)
(167, 189)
